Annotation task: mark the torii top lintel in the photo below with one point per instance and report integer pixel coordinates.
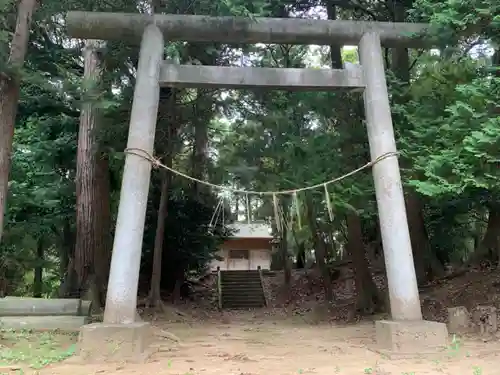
(194, 28)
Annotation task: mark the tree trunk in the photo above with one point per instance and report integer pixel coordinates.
(68, 287)
(287, 270)
(166, 118)
(202, 114)
(38, 279)
(65, 250)
(200, 156)
(335, 50)
(179, 281)
(9, 96)
(301, 256)
(319, 250)
(91, 239)
(400, 58)
(248, 208)
(154, 292)
(489, 246)
(336, 63)
(103, 244)
(200, 152)
(419, 239)
(236, 215)
(368, 297)
(167, 105)
(425, 261)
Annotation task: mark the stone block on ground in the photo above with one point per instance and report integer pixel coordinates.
(44, 323)
(410, 338)
(485, 319)
(27, 306)
(102, 342)
(459, 320)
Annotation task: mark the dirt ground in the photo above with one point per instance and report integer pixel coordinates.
(250, 345)
(294, 335)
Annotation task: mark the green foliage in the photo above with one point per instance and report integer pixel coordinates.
(453, 20)
(460, 134)
(37, 350)
(189, 244)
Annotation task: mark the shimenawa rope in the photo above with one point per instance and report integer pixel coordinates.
(158, 164)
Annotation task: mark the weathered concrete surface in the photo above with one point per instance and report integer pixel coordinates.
(199, 76)
(121, 298)
(402, 281)
(459, 320)
(194, 28)
(101, 342)
(408, 338)
(44, 323)
(22, 306)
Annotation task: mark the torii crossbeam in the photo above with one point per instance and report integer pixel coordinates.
(191, 28)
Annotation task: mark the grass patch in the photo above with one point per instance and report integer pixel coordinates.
(35, 349)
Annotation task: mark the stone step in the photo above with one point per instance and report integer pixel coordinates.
(231, 293)
(253, 283)
(241, 305)
(239, 278)
(256, 303)
(242, 276)
(242, 297)
(27, 306)
(241, 281)
(44, 323)
(242, 290)
(231, 302)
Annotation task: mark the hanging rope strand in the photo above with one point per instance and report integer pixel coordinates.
(328, 203)
(277, 218)
(215, 215)
(286, 226)
(223, 209)
(247, 199)
(296, 203)
(158, 164)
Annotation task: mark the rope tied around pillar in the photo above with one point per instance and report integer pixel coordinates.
(156, 163)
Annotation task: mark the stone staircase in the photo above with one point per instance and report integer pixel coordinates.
(241, 290)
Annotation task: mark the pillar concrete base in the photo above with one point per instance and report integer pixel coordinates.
(102, 342)
(397, 339)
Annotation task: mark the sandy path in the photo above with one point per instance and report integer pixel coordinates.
(283, 348)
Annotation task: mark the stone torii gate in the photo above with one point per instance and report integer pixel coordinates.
(406, 332)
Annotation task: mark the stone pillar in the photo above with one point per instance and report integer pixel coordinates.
(121, 298)
(403, 291)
